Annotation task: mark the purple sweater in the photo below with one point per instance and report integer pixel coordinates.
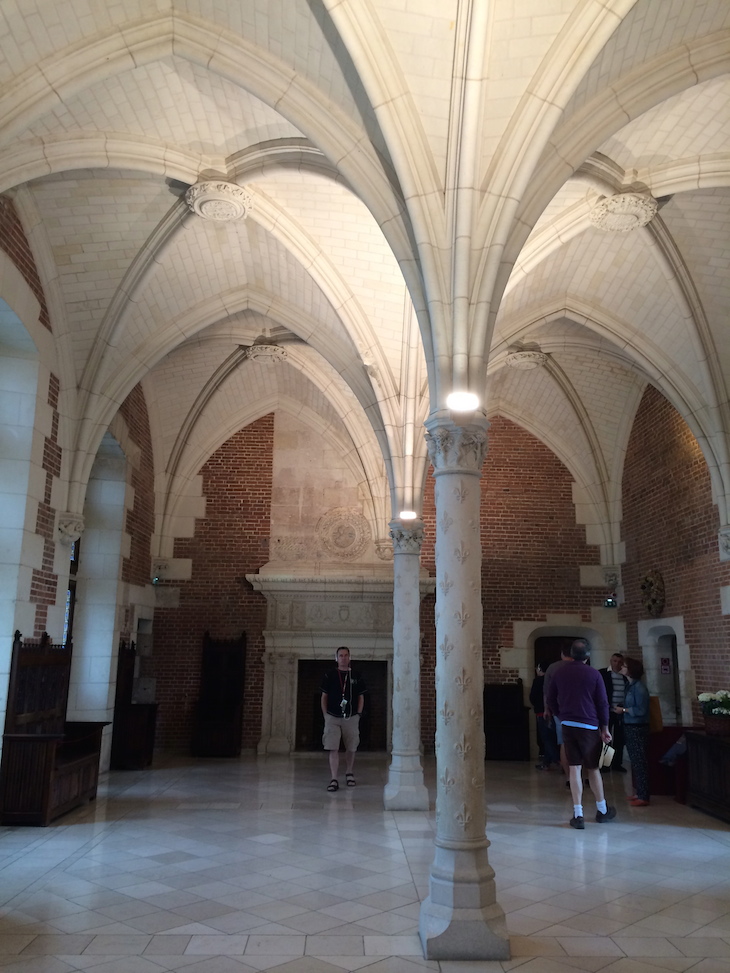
(577, 693)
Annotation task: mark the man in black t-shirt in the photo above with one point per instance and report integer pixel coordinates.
(343, 698)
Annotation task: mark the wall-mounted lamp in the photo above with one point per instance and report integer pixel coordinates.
(611, 602)
(462, 401)
(408, 515)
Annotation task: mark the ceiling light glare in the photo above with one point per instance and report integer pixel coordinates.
(408, 515)
(462, 401)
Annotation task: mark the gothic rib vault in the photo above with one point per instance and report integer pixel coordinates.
(534, 208)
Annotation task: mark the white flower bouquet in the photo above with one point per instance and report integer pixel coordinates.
(715, 704)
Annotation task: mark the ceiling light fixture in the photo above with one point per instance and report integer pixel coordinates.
(462, 401)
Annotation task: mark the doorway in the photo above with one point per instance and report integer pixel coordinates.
(310, 722)
(549, 647)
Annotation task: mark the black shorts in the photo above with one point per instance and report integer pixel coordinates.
(582, 747)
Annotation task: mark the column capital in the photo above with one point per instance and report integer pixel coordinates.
(406, 540)
(457, 448)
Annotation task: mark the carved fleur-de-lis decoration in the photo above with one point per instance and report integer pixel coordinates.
(447, 647)
(463, 817)
(462, 748)
(462, 615)
(446, 714)
(446, 522)
(474, 648)
(463, 681)
(446, 780)
(476, 716)
(397, 685)
(474, 524)
(446, 584)
(460, 492)
(461, 553)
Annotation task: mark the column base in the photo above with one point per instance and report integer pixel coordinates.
(405, 797)
(278, 745)
(461, 918)
(463, 934)
(405, 790)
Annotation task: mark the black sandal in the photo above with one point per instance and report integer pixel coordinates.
(350, 778)
(333, 785)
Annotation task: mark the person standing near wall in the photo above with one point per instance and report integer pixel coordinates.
(616, 685)
(635, 714)
(546, 734)
(550, 718)
(343, 699)
(577, 696)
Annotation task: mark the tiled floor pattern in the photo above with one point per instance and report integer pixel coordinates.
(238, 866)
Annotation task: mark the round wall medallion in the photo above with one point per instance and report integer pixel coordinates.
(525, 360)
(344, 533)
(221, 202)
(652, 593)
(623, 212)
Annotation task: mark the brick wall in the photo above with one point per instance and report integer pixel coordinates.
(230, 542)
(13, 241)
(670, 524)
(44, 581)
(532, 550)
(141, 517)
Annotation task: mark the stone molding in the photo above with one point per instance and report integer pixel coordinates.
(723, 540)
(526, 360)
(265, 354)
(623, 212)
(69, 528)
(219, 201)
(344, 533)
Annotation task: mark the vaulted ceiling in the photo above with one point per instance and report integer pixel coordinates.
(430, 192)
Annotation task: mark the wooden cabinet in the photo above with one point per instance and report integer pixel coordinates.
(49, 766)
(217, 730)
(708, 774)
(506, 722)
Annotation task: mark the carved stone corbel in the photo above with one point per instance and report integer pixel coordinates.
(69, 528)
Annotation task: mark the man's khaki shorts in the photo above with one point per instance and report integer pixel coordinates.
(337, 728)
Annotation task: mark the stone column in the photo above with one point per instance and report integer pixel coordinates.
(460, 919)
(278, 730)
(405, 790)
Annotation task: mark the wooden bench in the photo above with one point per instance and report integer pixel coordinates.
(49, 766)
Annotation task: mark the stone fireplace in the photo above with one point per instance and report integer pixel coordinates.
(309, 615)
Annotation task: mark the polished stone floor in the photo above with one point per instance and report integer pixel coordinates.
(234, 866)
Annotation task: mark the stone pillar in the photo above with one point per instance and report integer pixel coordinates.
(405, 790)
(460, 919)
(279, 704)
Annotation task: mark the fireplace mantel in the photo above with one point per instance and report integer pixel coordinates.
(310, 613)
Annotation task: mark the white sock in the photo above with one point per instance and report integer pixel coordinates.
(601, 806)
(577, 810)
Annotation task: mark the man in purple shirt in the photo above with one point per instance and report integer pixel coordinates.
(577, 696)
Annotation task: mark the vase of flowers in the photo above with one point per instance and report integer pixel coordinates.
(716, 711)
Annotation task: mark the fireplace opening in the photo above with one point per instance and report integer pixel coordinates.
(310, 722)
